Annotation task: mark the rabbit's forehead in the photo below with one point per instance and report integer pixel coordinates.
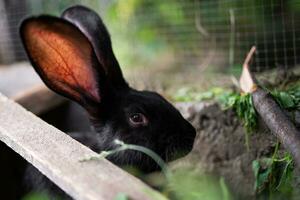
(150, 102)
(144, 98)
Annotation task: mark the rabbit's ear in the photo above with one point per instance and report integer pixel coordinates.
(93, 28)
(63, 57)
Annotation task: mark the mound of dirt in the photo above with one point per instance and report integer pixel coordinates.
(220, 147)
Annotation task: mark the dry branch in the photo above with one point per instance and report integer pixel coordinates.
(271, 113)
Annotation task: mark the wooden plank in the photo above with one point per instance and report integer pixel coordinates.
(38, 99)
(57, 156)
(17, 78)
(21, 83)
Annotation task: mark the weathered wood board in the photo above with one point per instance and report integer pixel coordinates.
(58, 156)
(22, 84)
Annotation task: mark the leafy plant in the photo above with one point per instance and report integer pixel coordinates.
(243, 106)
(186, 94)
(289, 99)
(273, 177)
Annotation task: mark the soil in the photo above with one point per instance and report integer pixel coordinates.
(220, 148)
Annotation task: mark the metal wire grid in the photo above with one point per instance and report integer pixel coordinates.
(11, 12)
(228, 29)
(211, 32)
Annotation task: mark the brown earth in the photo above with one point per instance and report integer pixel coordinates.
(220, 148)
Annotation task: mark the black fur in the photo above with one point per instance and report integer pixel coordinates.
(167, 133)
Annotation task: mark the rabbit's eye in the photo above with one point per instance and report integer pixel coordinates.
(138, 119)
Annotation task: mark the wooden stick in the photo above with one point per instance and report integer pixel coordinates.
(247, 82)
(270, 112)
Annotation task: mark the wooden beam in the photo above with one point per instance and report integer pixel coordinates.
(58, 156)
(38, 99)
(22, 84)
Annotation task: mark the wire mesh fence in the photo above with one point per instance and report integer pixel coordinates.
(198, 33)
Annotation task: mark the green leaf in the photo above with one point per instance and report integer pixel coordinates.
(286, 100)
(121, 196)
(255, 169)
(285, 182)
(262, 174)
(274, 177)
(36, 196)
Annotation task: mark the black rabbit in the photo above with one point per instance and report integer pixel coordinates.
(73, 56)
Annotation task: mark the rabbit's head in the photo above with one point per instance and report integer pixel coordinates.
(73, 56)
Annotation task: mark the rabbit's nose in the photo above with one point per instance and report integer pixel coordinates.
(189, 135)
(189, 130)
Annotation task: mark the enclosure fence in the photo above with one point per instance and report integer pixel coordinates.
(199, 33)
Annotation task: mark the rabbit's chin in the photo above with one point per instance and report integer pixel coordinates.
(142, 162)
(134, 159)
(130, 158)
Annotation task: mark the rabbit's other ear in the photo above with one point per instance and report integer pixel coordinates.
(63, 57)
(93, 28)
